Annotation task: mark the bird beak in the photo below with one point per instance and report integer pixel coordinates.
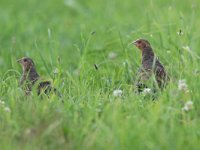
(19, 60)
(134, 43)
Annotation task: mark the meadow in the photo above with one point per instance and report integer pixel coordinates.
(67, 39)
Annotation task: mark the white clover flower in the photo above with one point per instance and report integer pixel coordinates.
(182, 86)
(2, 103)
(112, 55)
(7, 109)
(188, 106)
(76, 72)
(146, 91)
(187, 48)
(125, 63)
(100, 104)
(70, 3)
(117, 93)
(168, 52)
(56, 71)
(98, 110)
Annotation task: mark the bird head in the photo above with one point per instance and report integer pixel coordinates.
(26, 62)
(141, 44)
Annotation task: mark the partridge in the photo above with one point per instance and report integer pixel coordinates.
(30, 77)
(151, 68)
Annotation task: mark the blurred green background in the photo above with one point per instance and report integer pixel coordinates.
(66, 38)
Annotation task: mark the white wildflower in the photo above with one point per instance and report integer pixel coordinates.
(182, 86)
(125, 63)
(146, 91)
(187, 48)
(56, 71)
(112, 55)
(2, 103)
(7, 109)
(100, 104)
(76, 72)
(168, 52)
(70, 3)
(188, 106)
(117, 93)
(98, 110)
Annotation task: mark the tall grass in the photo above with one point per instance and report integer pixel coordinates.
(83, 48)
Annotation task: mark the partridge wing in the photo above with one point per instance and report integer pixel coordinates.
(44, 87)
(161, 76)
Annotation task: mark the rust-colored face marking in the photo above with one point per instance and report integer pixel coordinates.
(141, 43)
(26, 63)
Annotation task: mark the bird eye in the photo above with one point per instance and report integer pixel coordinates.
(139, 42)
(25, 60)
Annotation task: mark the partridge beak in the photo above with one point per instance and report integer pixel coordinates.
(132, 43)
(135, 43)
(19, 60)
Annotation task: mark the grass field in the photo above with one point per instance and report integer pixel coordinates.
(66, 38)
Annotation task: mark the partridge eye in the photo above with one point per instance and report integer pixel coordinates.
(139, 42)
(25, 60)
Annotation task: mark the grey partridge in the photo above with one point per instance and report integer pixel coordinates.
(30, 77)
(151, 68)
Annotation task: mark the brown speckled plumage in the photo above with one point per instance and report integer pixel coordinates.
(150, 66)
(30, 77)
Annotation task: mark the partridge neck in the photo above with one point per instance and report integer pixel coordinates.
(147, 54)
(31, 73)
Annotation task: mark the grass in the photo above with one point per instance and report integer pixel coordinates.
(66, 38)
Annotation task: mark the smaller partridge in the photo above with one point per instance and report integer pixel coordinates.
(30, 77)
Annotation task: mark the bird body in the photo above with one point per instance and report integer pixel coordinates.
(30, 77)
(151, 68)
